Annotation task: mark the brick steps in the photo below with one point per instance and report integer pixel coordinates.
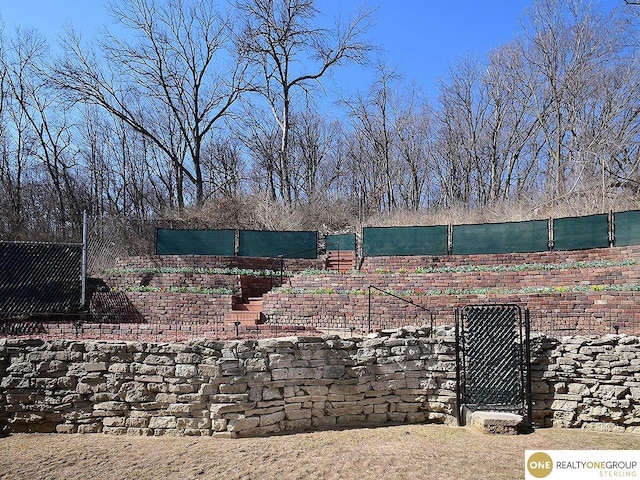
(248, 312)
(341, 260)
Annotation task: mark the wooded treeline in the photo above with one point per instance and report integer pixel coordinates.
(189, 109)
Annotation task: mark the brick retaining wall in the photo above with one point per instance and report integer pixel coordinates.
(395, 263)
(212, 261)
(571, 312)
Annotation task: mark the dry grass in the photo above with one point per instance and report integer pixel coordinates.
(403, 452)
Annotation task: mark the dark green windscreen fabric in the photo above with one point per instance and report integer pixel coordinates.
(256, 243)
(383, 241)
(195, 242)
(512, 237)
(341, 242)
(627, 228)
(577, 233)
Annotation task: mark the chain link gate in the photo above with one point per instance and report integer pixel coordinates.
(493, 360)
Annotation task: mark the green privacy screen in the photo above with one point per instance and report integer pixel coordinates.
(382, 241)
(258, 243)
(341, 242)
(577, 233)
(195, 242)
(627, 228)
(512, 237)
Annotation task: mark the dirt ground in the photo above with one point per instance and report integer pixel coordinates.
(402, 452)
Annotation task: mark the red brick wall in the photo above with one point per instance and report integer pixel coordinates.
(575, 298)
(166, 280)
(550, 312)
(211, 261)
(371, 264)
(340, 300)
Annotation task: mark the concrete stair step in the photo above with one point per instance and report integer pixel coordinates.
(503, 423)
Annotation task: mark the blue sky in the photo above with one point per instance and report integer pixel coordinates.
(420, 38)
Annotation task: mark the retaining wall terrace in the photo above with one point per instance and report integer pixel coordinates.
(569, 312)
(167, 280)
(543, 275)
(574, 291)
(395, 263)
(249, 388)
(242, 285)
(212, 261)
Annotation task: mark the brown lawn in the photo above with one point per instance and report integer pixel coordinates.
(401, 452)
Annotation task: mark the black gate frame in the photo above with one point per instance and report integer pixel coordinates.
(521, 339)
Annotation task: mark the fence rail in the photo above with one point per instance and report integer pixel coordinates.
(569, 233)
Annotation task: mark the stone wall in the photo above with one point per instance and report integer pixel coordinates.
(262, 387)
(587, 382)
(240, 388)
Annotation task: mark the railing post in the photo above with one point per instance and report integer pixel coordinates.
(83, 295)
(369, 316)
(281, 269)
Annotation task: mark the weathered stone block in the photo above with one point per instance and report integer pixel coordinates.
(113, 421)
(272, 418)
(111, 406)
(90, 428)
(496, 422)
(297, 414)
(159, 360)
(218, 409)
(95, 367)
(232, 388)
(193, 423)
(271, 394)
(162, 422)
(243, 423)
(186, 370)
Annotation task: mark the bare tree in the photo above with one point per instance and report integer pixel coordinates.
(46, 115)
(373, 122)
(414, 135)
(509, 128)
(283, 40)
(463, 113)
(313, 141)
(172, 80)
(224, 167)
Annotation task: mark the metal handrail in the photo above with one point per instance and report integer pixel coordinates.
(409, 301)
(280, 258)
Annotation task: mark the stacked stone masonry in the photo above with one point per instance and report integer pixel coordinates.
(263, 387)
(240, 388)
(587, 382)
